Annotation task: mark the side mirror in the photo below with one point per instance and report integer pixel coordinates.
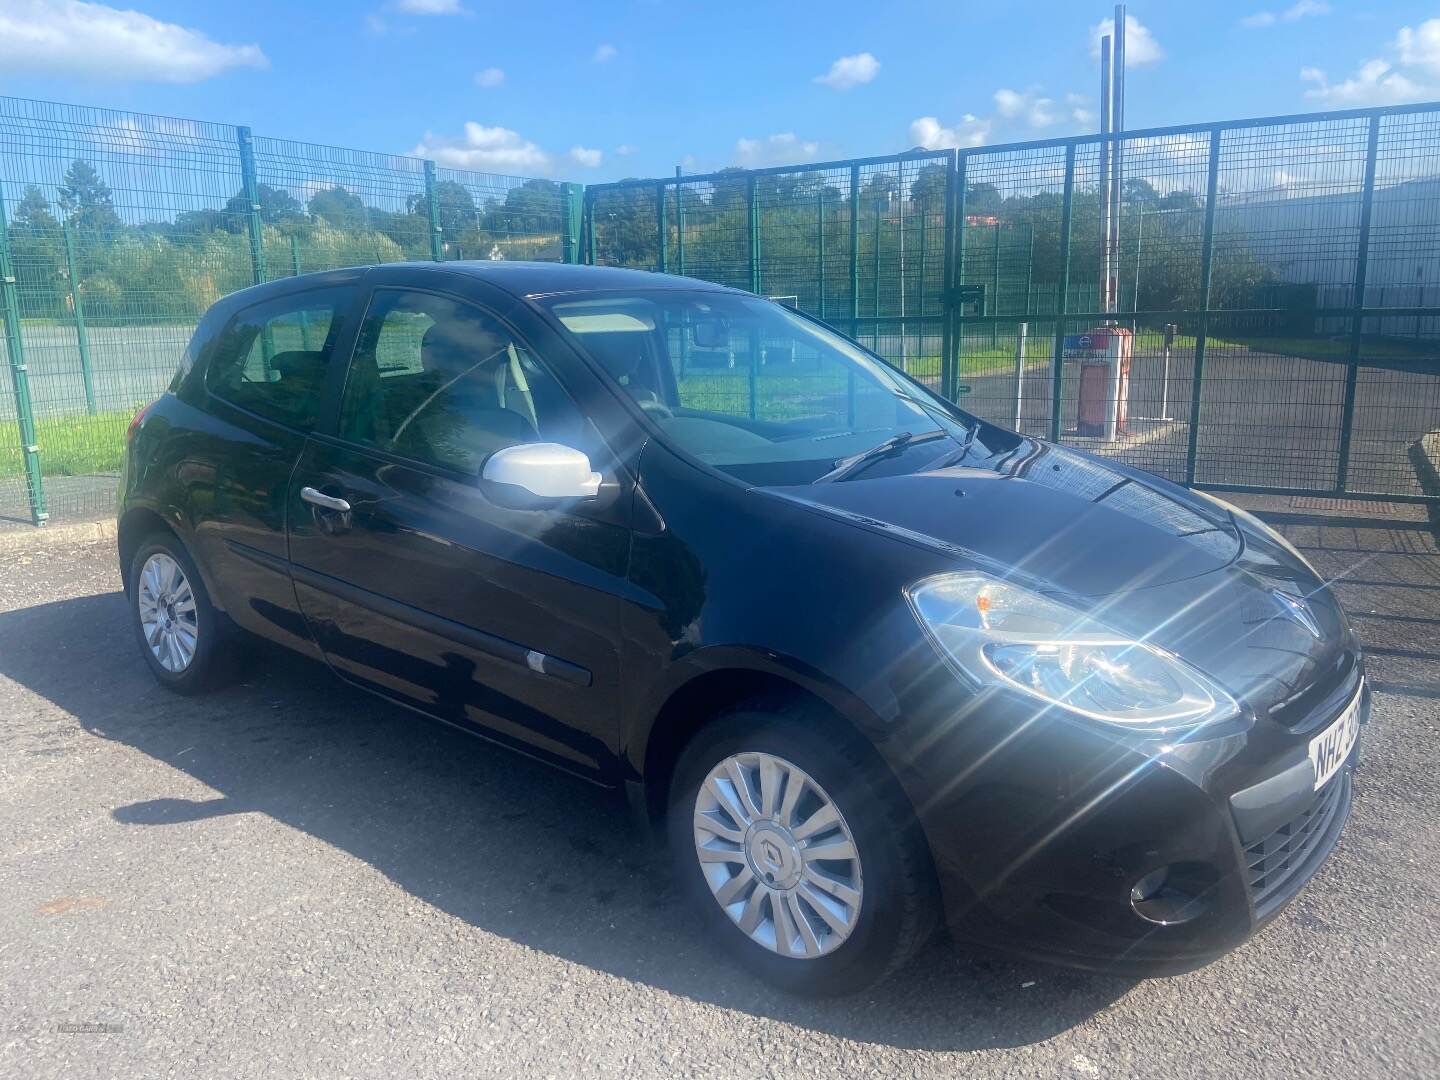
(541, 471)
(710, 333)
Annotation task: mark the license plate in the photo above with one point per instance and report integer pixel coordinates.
(1331, 747)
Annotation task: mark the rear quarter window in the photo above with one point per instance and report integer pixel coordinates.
(272, 358)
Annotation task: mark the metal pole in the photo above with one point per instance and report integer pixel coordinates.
(1362, 263)
(1117, 150)
(252, 203)
(77, 305)
(572, 214)
(1030, 268)
(904, 352)
(1021, 331)
(877, 270)
(993, 307)
(588, 226)
(820, 248)
(1207, 252)
(754, 201)
(437, 241)
(679, 224)
(854, 255)
(1057, 362)
(1139, 235)
(661, 230)
(20, 375)
(954, 275)
(1105, 149)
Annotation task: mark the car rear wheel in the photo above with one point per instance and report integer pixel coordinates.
(799, 850)
(180, 632)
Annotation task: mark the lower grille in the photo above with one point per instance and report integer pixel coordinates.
(1282, 862)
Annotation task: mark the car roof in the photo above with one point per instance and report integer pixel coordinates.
(527, 279)
(543, 278)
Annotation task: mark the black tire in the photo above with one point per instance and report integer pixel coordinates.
(898, 908)
(214, 654)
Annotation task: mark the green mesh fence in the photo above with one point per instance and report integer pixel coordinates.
(1279, 280)
(119, 229)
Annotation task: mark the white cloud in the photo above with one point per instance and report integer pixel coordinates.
(585, 157)
(1294, 13)
(70, 38)
(487, 149)
(928, 132)
(1420, 47)
(784, 148)
(429, 7)
(605, 53)
(1140, 45)
(1029, 106)
(1412, 73)
(850, 71)
(489, 78)
(624, 150)
(1082, 112)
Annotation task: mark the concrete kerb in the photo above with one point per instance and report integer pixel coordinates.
(52, 537)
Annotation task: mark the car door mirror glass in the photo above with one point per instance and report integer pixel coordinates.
(711, 334)
(544, 470)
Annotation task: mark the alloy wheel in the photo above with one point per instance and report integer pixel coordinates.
(778, 855)
(168, 620)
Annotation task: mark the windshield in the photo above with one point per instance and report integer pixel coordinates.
(751, 387)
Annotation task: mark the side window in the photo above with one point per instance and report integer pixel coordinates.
(769, 373)
(272, 357)
(445, 383)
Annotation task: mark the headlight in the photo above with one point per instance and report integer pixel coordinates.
(995, 632)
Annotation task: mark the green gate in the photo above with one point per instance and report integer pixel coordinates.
(1280, 278)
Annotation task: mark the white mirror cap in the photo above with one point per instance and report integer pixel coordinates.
(549, 470)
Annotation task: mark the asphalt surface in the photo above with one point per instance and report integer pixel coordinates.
(288, 878)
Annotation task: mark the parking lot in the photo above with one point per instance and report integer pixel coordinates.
(290, 878)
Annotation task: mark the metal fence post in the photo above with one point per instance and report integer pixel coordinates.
(252, 203)
(661, 228)
(993, 307)
(820, 251)
(572, 221)
(954, 274)
(679, 223)
(1362, 262)
(1057, 361)
(77, 305)
(588, 225)
(1202, 330)
(437, 238)
(20, 374)
(855, 251)
(752, 197)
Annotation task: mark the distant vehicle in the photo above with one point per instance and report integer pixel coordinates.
(871, 661)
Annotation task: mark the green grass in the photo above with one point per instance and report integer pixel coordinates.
(69, 445)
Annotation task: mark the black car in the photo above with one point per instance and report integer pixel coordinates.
(872, 661)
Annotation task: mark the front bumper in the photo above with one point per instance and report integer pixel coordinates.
(1040, 828)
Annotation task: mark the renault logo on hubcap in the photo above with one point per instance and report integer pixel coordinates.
(770, 852)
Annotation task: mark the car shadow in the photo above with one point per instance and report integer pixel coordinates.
(508, 845)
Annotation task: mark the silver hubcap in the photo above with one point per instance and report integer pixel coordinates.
(778, 855)
(167, 612)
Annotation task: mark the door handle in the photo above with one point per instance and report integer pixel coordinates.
(325, 502)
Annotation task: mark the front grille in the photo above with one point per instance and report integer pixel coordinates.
(1283, 861)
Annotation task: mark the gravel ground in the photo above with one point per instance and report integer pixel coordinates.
(290, 879)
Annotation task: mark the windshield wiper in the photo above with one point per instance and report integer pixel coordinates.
(849, 466)
(959, 454)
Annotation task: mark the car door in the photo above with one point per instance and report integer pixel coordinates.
(263, 383)
(417, 585)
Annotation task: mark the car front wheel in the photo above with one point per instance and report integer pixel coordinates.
(800, 850)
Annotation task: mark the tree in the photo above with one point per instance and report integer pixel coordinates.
(338, 208)
(277, 207)
(87, 200)
(32, 212)
(454, 206)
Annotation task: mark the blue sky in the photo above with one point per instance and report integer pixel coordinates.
(597, 91)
